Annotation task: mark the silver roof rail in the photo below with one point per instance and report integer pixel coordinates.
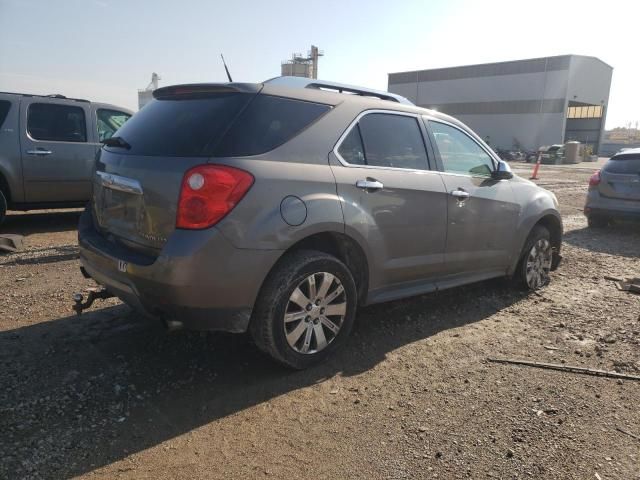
(302, 82)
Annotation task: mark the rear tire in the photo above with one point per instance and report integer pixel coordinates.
(597, 221)
(3, 207)
(536, 259)
(305, 309)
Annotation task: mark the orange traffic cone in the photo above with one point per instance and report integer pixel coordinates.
(536, 167)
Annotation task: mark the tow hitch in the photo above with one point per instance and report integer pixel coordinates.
(92, 294)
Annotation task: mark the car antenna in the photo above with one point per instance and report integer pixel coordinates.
(226, 69)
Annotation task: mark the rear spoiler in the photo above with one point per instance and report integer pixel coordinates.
(205, 89)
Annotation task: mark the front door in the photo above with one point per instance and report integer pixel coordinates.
(392, 202)
(57, 150)
(482, 212)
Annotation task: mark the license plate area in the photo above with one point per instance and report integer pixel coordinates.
(120, 206)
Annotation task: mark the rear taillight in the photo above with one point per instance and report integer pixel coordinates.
(208, 193)
(594, 181)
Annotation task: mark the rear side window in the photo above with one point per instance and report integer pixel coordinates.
(5, 106)
(109, 121)
(624, 164)
(182, 127)
(351, 149)
(385, 140)
(267, 123)
(58, 123)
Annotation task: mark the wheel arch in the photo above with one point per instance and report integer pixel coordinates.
(343, 247)
(554, 225)
(552, 222)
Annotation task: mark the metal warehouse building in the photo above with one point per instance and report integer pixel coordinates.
(519, 104)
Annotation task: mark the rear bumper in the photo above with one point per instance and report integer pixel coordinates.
(199, 279)
(611, 207)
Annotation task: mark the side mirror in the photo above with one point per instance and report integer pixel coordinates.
(503, 172)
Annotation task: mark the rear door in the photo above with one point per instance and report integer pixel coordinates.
(392, 202)
(620, 177)
(482, 212)
(58, 150)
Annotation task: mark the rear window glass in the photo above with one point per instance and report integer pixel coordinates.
(57, 123)
(189, 127)
(626, 164)
(267, 123)
(5, 106)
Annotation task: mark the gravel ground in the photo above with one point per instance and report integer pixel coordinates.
(110, 395)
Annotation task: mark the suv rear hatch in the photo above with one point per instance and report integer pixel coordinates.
(139, 171)
(620, 177)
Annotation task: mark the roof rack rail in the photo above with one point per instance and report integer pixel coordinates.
(302, 82)
(53, 95)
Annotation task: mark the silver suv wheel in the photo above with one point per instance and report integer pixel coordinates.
(315, 313)
(538, 264)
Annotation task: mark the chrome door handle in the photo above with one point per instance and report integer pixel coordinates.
(39, 152)
(369, 184)
(460, 194)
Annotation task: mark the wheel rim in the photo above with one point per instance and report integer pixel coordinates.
(538, 264)
(315, 313)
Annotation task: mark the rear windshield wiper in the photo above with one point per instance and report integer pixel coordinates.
(116, 142)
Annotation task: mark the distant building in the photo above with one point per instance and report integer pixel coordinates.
(299, 66)
(146, 95)
(518, 104)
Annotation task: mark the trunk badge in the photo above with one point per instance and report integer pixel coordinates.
(122, 266)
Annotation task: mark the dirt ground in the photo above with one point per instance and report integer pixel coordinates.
(110, 395)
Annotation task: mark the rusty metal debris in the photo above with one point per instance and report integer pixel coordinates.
(11, 243)
(565, 368)
(631, 284)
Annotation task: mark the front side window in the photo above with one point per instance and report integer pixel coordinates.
(385, 140)
(109, 121)
(459, 153)
(57, 123)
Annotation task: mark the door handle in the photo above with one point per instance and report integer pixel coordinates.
(369, 184)
(460, 194)
(39, 152)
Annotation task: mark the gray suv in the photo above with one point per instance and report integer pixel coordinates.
(281, 207)
(614, 191)
(48, 146)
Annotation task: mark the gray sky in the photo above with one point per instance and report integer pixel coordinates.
(105, 50)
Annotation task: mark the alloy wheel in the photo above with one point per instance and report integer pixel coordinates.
(315, 313)
(538, 264)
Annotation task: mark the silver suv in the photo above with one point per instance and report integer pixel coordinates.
(281, 207)
(48, 146)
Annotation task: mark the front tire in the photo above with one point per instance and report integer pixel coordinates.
(305, 310)
(536, 259)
